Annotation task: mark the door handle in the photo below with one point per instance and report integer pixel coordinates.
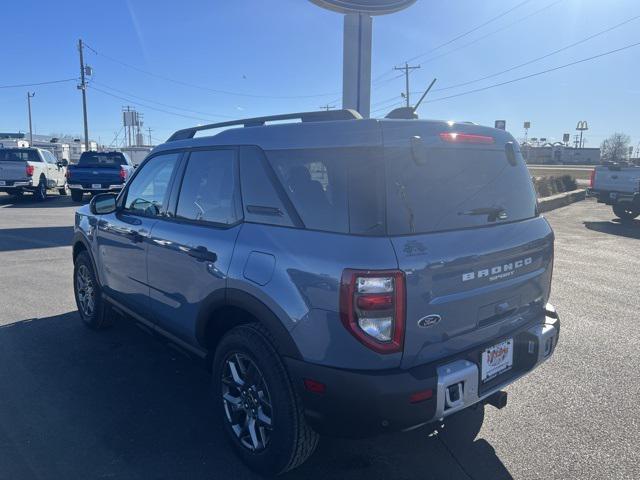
(135, 236)
(202, 254)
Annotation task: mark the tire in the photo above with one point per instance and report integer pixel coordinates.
(40, 193)
(76, 195)
(91, 307)
(625, 213)
(64, 191)
(283, 442)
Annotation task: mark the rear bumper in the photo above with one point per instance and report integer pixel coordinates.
(357, 403)
(86, 189)
(15, 184)
(613, 198)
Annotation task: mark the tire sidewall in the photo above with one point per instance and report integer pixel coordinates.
(94, 320)
(41, 191)
(275, 457)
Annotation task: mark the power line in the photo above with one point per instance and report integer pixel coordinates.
(462, 35)
(493, 32)
(213, 90)
(407, 68)
(468, 32)
(160, 103)
(148, 106)
(50, 82)
(610, 52)
(590, 37)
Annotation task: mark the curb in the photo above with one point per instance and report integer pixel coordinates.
(547, 204)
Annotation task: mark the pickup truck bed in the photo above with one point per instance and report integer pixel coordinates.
(618, 186)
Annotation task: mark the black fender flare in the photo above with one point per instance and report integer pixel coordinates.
(233, 297)
(80, 238)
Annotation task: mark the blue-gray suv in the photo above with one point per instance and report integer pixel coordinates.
(341, 275)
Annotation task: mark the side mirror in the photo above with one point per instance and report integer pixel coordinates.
(103, 204)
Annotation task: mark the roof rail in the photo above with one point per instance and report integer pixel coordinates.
(321, 116)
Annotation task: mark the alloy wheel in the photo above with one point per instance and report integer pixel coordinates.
(247, 402)
(86, 291)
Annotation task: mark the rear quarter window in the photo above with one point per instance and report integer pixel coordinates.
(334, 189)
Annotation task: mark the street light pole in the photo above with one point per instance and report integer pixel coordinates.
(30, 95)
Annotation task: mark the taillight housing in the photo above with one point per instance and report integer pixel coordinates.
(29, 170)
(453, 137)
(123, 174)
(68, 174)
(592, 178)
(372, 308)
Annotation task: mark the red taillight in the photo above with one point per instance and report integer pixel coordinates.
(421, 396)
(452, 137)
(592, 179)
(123, 174)
(29, 170)
(372, 308)
(314, 386)
(68, 174)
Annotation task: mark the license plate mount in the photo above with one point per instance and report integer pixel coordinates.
(497, 360)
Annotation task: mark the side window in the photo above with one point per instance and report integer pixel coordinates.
(261, 201)
(209, 189)
(148, 190)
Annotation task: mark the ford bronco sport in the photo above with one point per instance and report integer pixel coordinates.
(343, 276)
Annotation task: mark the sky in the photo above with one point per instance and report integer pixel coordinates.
(200, 61)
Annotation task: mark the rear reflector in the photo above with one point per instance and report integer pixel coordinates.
(314, 386)
(421, 396)
(452, 137)
(375, 302)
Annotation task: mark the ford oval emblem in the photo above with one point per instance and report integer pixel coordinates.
(429, 321)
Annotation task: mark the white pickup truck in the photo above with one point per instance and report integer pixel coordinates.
(32, 170)
(617, 185)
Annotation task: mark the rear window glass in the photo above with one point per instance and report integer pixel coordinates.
(16, 155)
(335, 190)
(371, 191)
(97, 159)
(455, 188)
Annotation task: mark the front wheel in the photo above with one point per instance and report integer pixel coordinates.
(624, 212)
(76, 195)
(259, 407)
(93, 312)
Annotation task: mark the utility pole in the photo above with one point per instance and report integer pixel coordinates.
(407, 68)
(30, 95)
(149, 130)
(83, 87)
(327, 107)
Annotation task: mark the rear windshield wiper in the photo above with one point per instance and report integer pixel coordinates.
(492, 213)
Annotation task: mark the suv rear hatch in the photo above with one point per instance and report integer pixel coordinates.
(461, 214)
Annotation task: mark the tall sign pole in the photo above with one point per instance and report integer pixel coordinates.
(358, 34)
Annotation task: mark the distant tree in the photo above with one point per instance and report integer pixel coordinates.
(615, 148)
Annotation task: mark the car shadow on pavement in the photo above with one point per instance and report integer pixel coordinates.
(80, 404)
(629, 229)
(27, 201)
(34, 237)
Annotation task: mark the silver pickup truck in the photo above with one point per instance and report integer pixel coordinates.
(617, 185)
(32, 170)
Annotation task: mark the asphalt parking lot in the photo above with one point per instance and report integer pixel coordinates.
(76, 404)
